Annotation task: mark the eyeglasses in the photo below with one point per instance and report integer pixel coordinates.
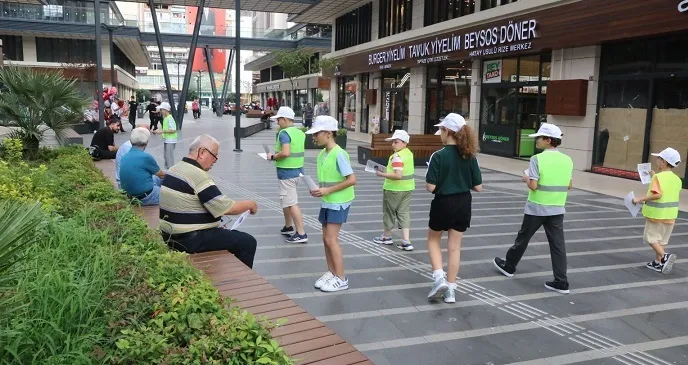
(212, 154)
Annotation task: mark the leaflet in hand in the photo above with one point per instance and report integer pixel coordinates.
(373, 167)
(266, 149)
(264, 156)
(644, 171)
(240, 220)
(633, 208)
(311, 184)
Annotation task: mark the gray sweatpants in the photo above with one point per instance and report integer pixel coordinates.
(169, 155)
(554, 229)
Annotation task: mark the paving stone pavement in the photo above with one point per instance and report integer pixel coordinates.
(618, 311)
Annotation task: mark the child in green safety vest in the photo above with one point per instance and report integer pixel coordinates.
(169, 133)
(661, 209)
(453, 172)
(397, 189)
(337, 182)
(549, 180)
(289, 157)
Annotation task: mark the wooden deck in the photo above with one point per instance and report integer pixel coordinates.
(303, 337)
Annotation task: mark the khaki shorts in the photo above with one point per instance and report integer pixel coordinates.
(287, 192)
(657, 232)
(396, 209)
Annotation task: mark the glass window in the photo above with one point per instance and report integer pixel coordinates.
(488, 4)
(354, 27)
(627, 58)
(509, 69)
(395, 96)
(529, 69)
(546, 66)
(456, 90)
(673, 55)
(621, 124)
(440, 10)
(394, 17)
(499, 106)
(670, 119)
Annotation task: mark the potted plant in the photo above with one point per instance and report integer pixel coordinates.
(340, 139)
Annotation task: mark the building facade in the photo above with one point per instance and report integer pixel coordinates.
(611, 73)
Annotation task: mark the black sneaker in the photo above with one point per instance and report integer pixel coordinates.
(668, 263)
(503, 267)
(297, 238)
(287, 231)
(558, 286)
(654, 266)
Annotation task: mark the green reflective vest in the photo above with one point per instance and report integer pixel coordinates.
(296, 149)
(407, 182)
(165, 127)
(665, 207)
(329, 176)
(556, 170)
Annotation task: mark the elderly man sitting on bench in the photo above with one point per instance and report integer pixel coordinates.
(140, 176)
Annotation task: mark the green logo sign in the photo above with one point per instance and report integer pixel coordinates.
(498, 139)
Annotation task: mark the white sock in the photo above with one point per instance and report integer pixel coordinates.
(438, 274)
(452, 286)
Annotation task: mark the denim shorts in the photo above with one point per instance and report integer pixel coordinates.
(333, 216)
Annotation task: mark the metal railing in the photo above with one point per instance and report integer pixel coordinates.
(85, 15)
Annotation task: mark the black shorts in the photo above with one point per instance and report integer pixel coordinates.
(450, 212)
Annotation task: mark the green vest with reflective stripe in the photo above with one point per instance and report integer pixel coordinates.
(407, 182)
(665, 207)
(296, 149)
(329, 176)
(556, 170)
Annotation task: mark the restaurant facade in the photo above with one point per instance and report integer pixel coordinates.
(613, 74)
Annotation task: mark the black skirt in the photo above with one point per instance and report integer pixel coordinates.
(450, 212)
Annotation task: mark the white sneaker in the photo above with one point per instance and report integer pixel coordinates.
(323, 279)
(335, 284)
(438, 289)
(449, 296)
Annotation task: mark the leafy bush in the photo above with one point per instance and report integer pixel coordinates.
(100, 287)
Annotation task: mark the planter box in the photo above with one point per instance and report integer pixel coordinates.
(250, 130)
(310, 145)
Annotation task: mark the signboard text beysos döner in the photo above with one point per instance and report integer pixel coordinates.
(483, 42)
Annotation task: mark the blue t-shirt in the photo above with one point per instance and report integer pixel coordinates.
(344, 169)
(118, 158)
(282, 173)
(136, 172)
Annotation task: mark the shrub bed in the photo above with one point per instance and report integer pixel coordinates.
(97, 286)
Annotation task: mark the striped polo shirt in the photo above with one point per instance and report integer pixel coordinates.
(189, 199)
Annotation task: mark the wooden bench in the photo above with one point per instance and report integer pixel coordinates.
(422, 146)
(303, 337)
(254, 114)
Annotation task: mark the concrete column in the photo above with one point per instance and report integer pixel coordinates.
(375, 23)
(417, 93)
(376, 86)
(359, 95)
(575, 64)
(417, 14)
(29, 48)
(476, 84)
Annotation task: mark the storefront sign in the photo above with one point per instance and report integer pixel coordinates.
(683, 6)
(492, 71)
(437, 50)
(272, 87)
(498, 139)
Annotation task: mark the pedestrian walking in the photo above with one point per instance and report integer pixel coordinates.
(549, 180)
(661, 209)
(308, 116)
(337, 182)
(152, 114)
(289, 157)
(452, 173)
(196, 109)
(169, 133)
(396, 192)
(133, 108)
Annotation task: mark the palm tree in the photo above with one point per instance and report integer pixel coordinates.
(32, 102)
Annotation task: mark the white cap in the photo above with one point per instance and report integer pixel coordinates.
(283, 112)
(548, 130)
(323, 123)
(400, 135)
(452, 122)
(164, 105)
(669, 155)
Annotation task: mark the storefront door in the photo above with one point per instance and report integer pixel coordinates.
(395, 96)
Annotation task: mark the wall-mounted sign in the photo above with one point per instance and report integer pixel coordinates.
(272, 87)
(500, 39)
(492, 71)
(498, 139)
(683, 6)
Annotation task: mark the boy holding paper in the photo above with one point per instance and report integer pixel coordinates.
(397, 189)
(289, 157)
(661, 209)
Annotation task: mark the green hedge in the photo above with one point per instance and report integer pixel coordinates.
(100, 287)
